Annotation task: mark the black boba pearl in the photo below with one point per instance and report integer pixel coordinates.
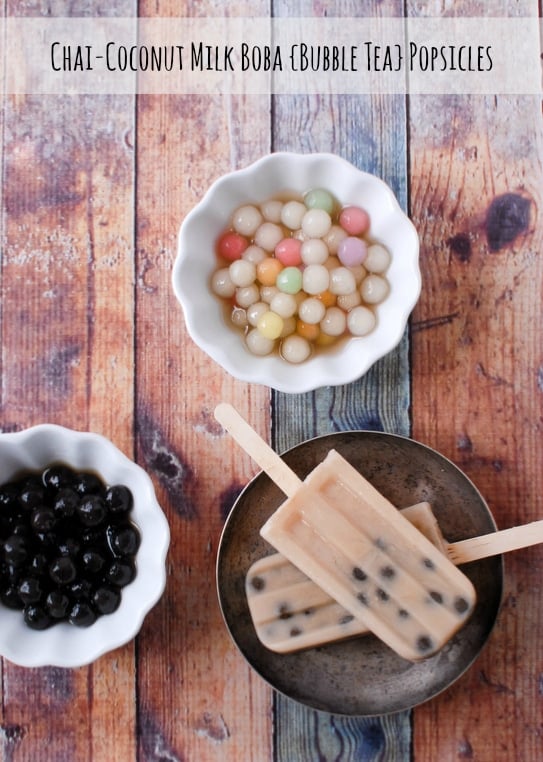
(424, 644)
(57, 476)
(10, 597)
(118, 499)
(37, 618)
(56, 604)
(9, 497)
(79, 589)
(30, 590)
(42, 519)
(62, 570)
(91, 510)
(359, 574)
(123, 540)
(92, 561)
(461, 605)
(69, 547)
(38, 564)
(15, 550)
(82, 614)
(106, 600)
(31, 497)
(66, 502)
(87, 484)
(121, 573)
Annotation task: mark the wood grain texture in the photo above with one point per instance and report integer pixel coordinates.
(198, 698)
(476, 181)
(67, 328)
(67, 357)
(369, 131)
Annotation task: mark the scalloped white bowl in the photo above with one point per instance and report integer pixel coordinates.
(66, 645)
(270, 176)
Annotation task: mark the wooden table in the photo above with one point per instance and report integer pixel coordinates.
(93, 191)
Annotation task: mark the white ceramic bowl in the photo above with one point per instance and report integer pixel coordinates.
(63, 644)
(268, 177)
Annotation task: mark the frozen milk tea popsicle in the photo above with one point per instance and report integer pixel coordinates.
(354, 544)
(290, 612)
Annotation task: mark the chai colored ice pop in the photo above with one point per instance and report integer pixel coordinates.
(355, 545)
(290, 612)
(409, 545)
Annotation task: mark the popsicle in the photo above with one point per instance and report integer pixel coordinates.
(355, 545)
(460, 552)
(278, 593)
(290, 612)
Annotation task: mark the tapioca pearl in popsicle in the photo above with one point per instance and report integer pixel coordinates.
(242, 272)
(231, 245)
(295, 349)
(374, 289)
(311, 310)
(288, 252)
(292, 214)
(255, 311)
(257, 583)
(270, 325)
(354, 220)
(247, 295)
(259, 344)
(319, 198)
(254, 254)
(424, 644)
(334, 237)
(271, 210)
(289, 280)
(352, 251)
(334, 322)
(316, 223)
(314, 251)
(221, 283)
(268, 236)
(315, 279)
(246, 220)
(341, 281)
(360, 321)
(267, 271)
(461, 605)
(284, 305)
(378, 258)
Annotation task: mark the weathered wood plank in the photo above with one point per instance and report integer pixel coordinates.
(477, 362)
(67, 322)
(198, 698)
(353, 128)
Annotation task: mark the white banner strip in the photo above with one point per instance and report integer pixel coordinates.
(479, 56)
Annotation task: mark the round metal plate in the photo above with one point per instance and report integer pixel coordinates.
(362, 676)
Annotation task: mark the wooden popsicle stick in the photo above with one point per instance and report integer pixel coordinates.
(494, 543)
(460, 552)
(268, 460)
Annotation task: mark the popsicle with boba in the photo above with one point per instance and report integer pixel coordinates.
(290, 612)
(354, 544)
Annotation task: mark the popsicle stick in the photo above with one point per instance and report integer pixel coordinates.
(491, 544)
(460, 552)
(268, 460)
